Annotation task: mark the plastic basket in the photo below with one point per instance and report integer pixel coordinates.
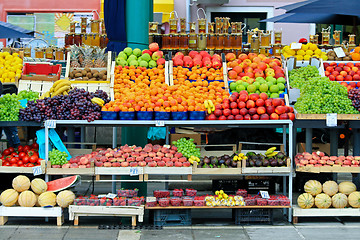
(179, 115)
(162, 115)
(144, 115)
(108, 115)
(197, 115)
(172, 217)
(127, 115)
(253, 216)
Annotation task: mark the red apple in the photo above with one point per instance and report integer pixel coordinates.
(222, 117)
(254, 96)
(218, 112)
(247, 117)
(235, 111)
(280, 110)
(233, 104)
(227, 112)
(241, 105)
(260, 102)
(243, 97)
(250, 104)
(263, 96)
(239, 117)
(243, 111)
(274, 116)
(261, 110)
(264, 116)
(255, 117)
(339, 78)
(230, 117)
(270, 109)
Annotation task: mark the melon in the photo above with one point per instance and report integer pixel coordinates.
(9, 197)
(339, 200)
(330, 188)
(21, 183)
(38, 185)
(347, 187)
(313, 187)
(305, 200)
(62, 183)
(323, 200)
(27, 199)
(354, 199)
(37, 201)
(65, 198)
(47, 199)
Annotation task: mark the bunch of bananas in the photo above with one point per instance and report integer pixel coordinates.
(271, 152)
(240, 157)
(60, 87)
(194, 159)
(209, 105)
(98, 101)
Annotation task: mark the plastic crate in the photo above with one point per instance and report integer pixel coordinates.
(162, 115)
(172, 217)
(42, 72)
(109, 115)
(127, 115)
(251, 216)
(179, 115)
(144, 115)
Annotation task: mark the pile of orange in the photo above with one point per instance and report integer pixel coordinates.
(138, 89)
(182, 74)
(355, 55)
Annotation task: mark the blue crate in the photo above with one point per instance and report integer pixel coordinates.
(107, 115)
(162, 115)
(127, 115)
(197, 115)
(172, 217)
(145, 115)
(249, 216)
(179, 115)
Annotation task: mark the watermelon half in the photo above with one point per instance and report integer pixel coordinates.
(62, 183)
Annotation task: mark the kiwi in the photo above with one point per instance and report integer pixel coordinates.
(95, 75)
(347, 58)
(89, 75)
(71, 75)
(75, 71)
(77, 75)
(85, 78)
(94, 71)
(83, 72)
(101, 75)
(103, 71)
(87, 69)
(93, 79)
(331, 58)
(104, 77)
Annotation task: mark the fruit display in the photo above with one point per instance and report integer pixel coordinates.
(11, 66)
(127, 192)
(63, 183)
(306, 52)
(224, 161)
(355, 55)
(199, 60)
(57, 158)
(88, 74)
(320, 95)
(298, 76)
(342, 71)
(9, 107)
(242, 106)
(271, 86)
(319, 159)
(187, 147)
(271, 158)
(333, 57)
(22, 195)
(77, 105)
(87, 57)
(148, 58)
(22, 156)
(328, 194)
(222, 199)
(351, 85)
(354, 96)
(135, 156)
(101, 200)
(28, 95)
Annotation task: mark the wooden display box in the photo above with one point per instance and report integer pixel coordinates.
(217, 171)
(256, 170)
(328, 169)
(221, 149)
(69, 171)
(176, 136)
(16, 211)
(167, 171)
(117, 171)
(28, 170)
(302, 116)
(118, 211)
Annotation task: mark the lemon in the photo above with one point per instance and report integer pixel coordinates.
(7, 80)
(286, 48)
(11, 75)
(318, 52)
(286, 55)
(313, 47)
(307, 57)
(12, 80)
(6, 54)
(5, 75)
(316, 56)
(290, 52)
(299, 57)
(309, 52)
(300, 52)
(15, 54)
(305, 47)
(324, 57)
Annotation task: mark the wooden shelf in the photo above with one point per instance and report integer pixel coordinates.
(206, 207)
(328, 169)
(302, 116)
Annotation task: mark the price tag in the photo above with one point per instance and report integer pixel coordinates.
(264, 194)
(339, 52)
(111, 195)
(296, 46)
(134, 171)
(167, 146)
(101, 195)
(331, 119)
(159, 123)
(37, 170)
(151, 199)
(51, 123)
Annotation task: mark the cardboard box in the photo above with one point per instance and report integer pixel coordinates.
(315, 147)
(196, 137)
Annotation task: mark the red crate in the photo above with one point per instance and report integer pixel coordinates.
(39, 71)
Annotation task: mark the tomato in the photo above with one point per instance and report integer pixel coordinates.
(34, 158)
(6, 152)
(32, 152)
(26, 148)
(6, 164)
(11, 149)
(14, 165)
(14, 154)
(20, 148)
(35, 146)
(39, 161)
(26, 159)
(22, 155)
(20, 163)
(13, 160)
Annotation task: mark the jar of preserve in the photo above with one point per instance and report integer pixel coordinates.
(95, 26)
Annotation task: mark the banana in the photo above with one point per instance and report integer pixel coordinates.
(98, 101)
(62, 84)
(61, 90)
(212, 108)
(58, 82)
(212, 105)
(206, 104)
(209, 111)
(270, 150)
(272, 154)
(51, 89)
(47, 94)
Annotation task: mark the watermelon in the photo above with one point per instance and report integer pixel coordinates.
(62, 183)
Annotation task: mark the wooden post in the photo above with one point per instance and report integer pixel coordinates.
(60, 220)
(3, 220)
(133, 221)
(295, 220)
(76, 220)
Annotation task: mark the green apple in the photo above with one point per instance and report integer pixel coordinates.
(128, 51)
(137, 52)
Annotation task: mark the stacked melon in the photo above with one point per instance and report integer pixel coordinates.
(39, 196)
(329, 194)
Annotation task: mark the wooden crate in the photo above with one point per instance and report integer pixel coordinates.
(240, 150)
(118, 211)
(70, 171)
(328, 169)
(37, 86)
(259, 170)
(223, 149)
(117, 171)
(301, 116)
(217, 171)
(27, 170)
(16, 211)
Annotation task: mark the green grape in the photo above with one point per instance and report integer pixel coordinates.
(187, 147)
(57, 157)
(298, 76)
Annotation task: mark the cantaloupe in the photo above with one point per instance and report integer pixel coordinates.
(347, 187)
(65, 198)
(21, 183)
(322, 200)
(313, 187)
(330, 188)
(38, 185)
(354, 199)
(27, 199)
(47, 199)
(305, 200)
(9, 197)
(37, 201)
(339, 200)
